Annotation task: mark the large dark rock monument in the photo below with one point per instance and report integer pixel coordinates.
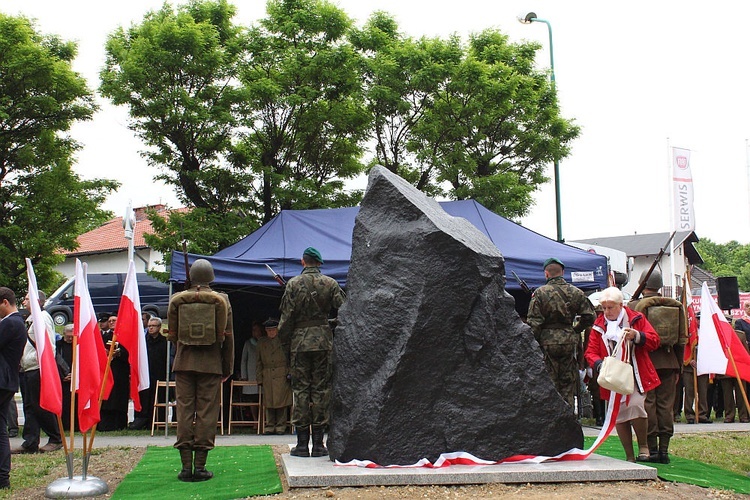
(430, 355)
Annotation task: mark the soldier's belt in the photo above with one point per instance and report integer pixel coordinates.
(312, 322)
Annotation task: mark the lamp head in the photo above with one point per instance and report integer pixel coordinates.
(527, 19)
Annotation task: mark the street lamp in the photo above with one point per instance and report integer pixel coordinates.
(528, 19)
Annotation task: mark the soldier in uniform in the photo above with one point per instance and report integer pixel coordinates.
(668, 318)
(305, 306)
(200, 324)
(552, 311)
(272, 372)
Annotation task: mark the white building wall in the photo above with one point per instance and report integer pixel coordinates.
(643, 263)
(114, 262)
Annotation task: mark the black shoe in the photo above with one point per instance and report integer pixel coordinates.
(13, 433)
(599, 422)
(663, 457)
(705, 421)
(202, 475)
(691, 420)
(185, 475)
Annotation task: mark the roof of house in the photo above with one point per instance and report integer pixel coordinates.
(638, 245)
(110, 236)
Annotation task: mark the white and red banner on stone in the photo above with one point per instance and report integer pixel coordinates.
(464, 458)
(682, 184)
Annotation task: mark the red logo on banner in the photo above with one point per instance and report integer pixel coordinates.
(682, 162)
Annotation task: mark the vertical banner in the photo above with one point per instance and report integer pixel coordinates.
(682, 184)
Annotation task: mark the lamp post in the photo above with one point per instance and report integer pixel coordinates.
(528, 19)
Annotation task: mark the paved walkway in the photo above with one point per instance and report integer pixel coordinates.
(104, 439)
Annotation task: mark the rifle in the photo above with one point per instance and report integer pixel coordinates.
(642, 284)
(188, 284)
(276, 276)
(522, 283)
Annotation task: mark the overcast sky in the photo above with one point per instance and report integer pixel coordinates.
(636, 76)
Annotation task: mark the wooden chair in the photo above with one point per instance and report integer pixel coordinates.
(168, 404)
(237, 406)
(172, 404)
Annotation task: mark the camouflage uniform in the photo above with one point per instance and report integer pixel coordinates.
(305, 306)
(552, 310)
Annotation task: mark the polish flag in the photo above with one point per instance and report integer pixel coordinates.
(130, 335)
(720, 350)
(692, 340)
(50, 392)
(90, 349)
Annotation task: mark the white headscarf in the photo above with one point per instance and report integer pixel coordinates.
(614, 328)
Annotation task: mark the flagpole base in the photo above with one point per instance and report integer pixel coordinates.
(76, 487)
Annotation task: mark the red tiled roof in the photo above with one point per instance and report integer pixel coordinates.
(110, 237)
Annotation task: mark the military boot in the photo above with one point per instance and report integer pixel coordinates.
(664, 450)
(318, 448)
(200, 473)
(186, 474)
(303, 439)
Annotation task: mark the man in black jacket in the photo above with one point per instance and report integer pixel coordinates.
(12, 343)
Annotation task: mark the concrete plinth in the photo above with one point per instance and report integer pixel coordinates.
(317, 472)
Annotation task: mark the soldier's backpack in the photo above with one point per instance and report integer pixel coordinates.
(667, 317)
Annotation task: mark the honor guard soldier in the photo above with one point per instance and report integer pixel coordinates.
(552, 310)
(307, 301)
(200, 323)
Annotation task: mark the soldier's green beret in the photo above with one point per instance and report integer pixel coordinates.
(553, 260)
(314, 254)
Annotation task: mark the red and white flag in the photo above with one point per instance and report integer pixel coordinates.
(682, 182)
(91, 357)
(130, 335)
(692, 340)
(720, 350)
(50, 392)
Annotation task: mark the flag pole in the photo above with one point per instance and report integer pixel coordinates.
(739, 380)
(107, 371)
(73, 378)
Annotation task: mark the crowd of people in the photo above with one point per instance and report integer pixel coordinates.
(575, 338)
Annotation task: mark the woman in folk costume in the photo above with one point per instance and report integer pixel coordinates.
(272, 372)
(616, 322)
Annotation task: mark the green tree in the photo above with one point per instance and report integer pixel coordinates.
(494, 126)
(176, 71)
(726, 259)
(402, 78)
(44, 205)
(304, 111)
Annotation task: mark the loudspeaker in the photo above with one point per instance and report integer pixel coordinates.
(729, 294)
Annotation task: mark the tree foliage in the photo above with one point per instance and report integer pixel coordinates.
(726, 259)
(44, 204)
(247, 122)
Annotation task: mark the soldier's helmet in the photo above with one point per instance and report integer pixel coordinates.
(654, 282)
(201, 272)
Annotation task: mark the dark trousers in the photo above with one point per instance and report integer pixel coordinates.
(703, 409)
(12, 415)
(6, 398)
(311, 385)
(36, 418)
(198, 398)
(660, 408)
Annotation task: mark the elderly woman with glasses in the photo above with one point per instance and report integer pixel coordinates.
(616, 322)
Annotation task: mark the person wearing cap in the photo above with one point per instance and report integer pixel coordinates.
(200, 324)
(272, 373)
(307, 301)
(668, 318)
(552, 311)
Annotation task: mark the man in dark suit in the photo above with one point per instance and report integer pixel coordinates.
(12, 343)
